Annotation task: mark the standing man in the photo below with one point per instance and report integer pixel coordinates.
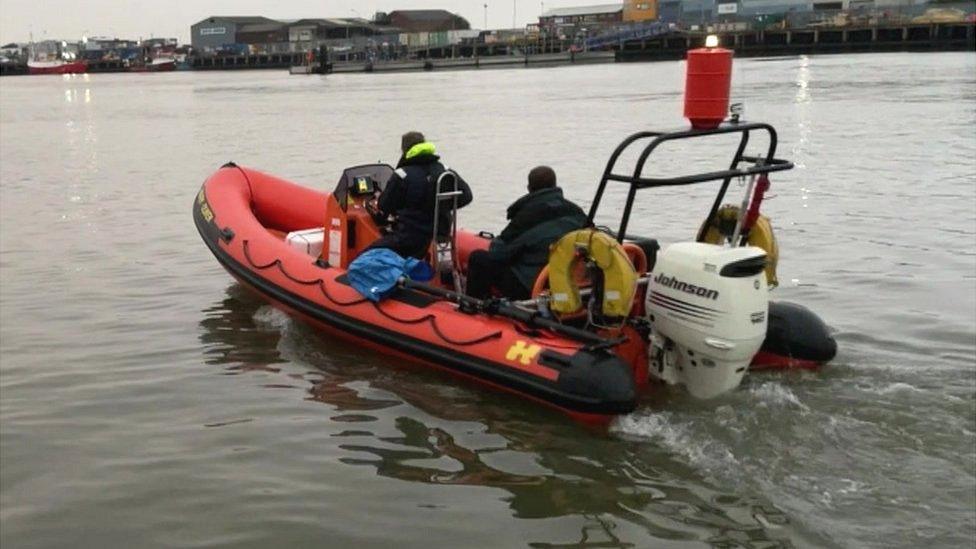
(410, 195)
(516, 256)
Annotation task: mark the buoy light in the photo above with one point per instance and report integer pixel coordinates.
(707, 83)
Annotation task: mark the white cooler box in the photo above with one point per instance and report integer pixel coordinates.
(308, 241)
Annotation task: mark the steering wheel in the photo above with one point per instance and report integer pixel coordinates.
(373, 210)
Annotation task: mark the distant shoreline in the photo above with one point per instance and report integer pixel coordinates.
(917, 37)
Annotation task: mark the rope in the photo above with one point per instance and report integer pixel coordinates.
(318, 281)
(247, 180)
(437, 330)
(432, 319)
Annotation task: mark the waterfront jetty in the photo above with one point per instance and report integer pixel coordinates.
(240, 62)
(470, 63)
(668, 45)
(811, 40)
(674, 45)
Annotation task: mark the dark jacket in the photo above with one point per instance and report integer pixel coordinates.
(535, 221)
(409, 195)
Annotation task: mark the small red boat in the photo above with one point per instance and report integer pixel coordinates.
(160, 64)
(57, 67)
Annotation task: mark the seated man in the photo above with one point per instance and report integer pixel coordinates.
(516, 256)
(409, 196)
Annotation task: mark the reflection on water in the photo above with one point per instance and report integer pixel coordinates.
(546, 467)
(803, 124)
(231, 337)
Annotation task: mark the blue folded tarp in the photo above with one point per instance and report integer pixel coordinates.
(374, 273)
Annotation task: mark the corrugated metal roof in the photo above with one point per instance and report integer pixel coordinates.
(584, 10)
(237, 19)
(424, 15)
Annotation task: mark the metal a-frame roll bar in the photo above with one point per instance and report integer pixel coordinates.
(755, 165)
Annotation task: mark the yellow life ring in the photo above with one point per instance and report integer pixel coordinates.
(619, 276)
(719, 229)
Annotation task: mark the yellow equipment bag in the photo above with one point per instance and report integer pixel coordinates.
(619, 277)
(719, 229)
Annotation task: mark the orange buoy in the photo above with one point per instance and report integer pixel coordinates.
(707, 83)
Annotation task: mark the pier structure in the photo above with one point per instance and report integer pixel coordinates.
(487, 62)
(811, 40)
(250, 61)
(649, 46)
(674, 45)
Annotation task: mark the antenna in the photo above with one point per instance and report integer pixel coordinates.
(514, 6)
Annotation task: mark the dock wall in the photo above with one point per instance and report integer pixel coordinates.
(919, 37)
(751, 43)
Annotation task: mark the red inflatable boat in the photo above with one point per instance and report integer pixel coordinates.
(293, 246)
(607, 313)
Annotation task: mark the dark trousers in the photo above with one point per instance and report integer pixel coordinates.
(404, 244)
(485, 274)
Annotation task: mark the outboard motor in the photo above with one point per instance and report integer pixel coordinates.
(708, 307)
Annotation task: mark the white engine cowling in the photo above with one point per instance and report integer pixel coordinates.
(708, 307)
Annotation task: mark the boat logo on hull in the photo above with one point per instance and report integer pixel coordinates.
(521, 351)
(204, 207)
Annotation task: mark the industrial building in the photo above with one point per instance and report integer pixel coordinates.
(243, 34)
(214, 32)
(569, 21)
(707, 11)
(410, 21)
(637, 11)
(557, 19)
(629, 11)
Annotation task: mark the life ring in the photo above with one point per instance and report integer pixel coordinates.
(719, 229)
(636, 254)
(619, 276)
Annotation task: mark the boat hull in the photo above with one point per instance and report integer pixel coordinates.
(74, 67)
(165, 66)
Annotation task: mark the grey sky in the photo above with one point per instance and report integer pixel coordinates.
(69, 19)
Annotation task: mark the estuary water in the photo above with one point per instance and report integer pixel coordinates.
(147, 400)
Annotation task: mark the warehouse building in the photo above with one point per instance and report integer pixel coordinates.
(561, 18)
(217, 32)
(411, 21)
(305, 30)
(638, 11)
(706, 11)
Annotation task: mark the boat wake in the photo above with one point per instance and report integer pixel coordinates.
(269, 318)
(711, 439)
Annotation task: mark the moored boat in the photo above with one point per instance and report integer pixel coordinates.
(159, 64)
(58, 66)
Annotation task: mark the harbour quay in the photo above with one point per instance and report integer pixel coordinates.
(434, 39)
(418, 40)
(818, 40)
(669, 45)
